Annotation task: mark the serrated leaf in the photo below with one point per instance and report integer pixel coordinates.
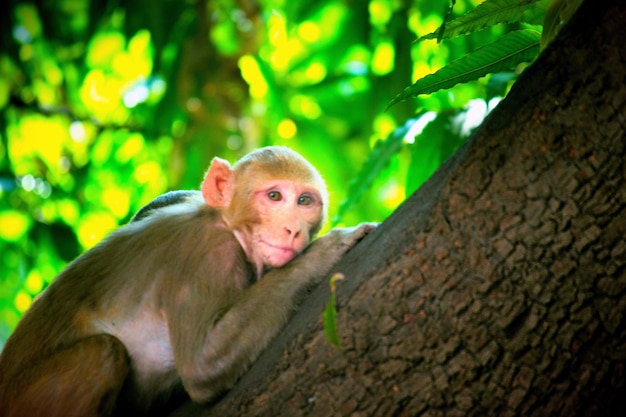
(501, 55)
(377, 160)
(489, 13)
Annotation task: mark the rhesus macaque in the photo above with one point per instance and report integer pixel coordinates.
(186, 295)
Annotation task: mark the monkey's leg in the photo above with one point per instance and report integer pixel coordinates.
(82, 379)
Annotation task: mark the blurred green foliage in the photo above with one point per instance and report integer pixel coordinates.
(106, 104)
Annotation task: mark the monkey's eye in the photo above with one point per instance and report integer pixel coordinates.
(274, 195)
(305, 200)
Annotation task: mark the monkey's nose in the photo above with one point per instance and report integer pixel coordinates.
(290, 231)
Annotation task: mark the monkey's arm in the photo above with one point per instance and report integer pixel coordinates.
(244, 330)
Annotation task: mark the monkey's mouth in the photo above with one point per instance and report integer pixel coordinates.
(281, 249)
(278, 255)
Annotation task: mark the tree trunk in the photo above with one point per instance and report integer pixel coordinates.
(497, 289)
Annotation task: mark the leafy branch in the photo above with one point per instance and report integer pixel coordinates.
(503, 54)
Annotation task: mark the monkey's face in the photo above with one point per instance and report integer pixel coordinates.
(288, 212)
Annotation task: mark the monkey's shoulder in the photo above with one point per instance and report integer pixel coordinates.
(196, 243)
(186, 228)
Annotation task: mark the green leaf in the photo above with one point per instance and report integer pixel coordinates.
(446, 17)
(431, 148)
(330, 313)
(377, 160)
(558, 13)
(440, 138)
(489, 13)
(330, 321)
(501, 55)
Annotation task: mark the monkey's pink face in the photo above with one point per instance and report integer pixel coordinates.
(288, 212)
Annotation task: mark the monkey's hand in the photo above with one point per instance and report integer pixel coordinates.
(329, 248)
(341, 240)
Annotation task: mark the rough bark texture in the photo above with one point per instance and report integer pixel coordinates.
(499, 288)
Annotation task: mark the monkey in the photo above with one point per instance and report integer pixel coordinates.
(179, 301)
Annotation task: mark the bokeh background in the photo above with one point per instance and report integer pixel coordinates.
(105, 104)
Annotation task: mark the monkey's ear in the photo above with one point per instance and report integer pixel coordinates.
(219, 183)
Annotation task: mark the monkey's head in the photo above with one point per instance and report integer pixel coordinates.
(274, 200)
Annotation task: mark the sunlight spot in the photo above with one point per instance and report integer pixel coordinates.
(34, 282)
(43, 188)
(356, 60)
(380, 12)
(355, 68)
(418, 127)
(287, 129)
(430, 24)
(116, 200)
(133, 145)
(472, 117)
(420, 70)
(353, 85)
(13, 225)
(95, 85)
(392, 195)
(158, 87)
(305, 106)
(148, 171)
(309, 32)
(137, 94)
(78, 132)
(493, 103)
(28, 182)
(140, 45)
(251, 72)
(277, 28)
(23, 301)
(384, 124)
(103, 47)
(68, 211)
(94, 227)
(52, 72)
(415, 20)
(315, 72)
(384, 58)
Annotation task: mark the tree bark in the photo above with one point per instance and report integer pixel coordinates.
(499, 287)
